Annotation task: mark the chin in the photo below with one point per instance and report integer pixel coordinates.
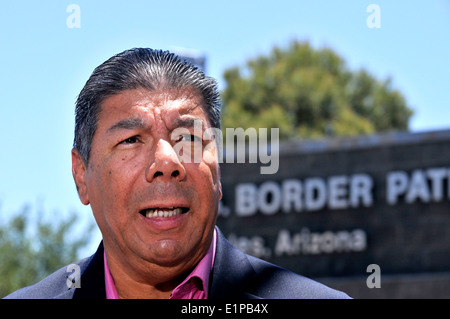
(166, 252)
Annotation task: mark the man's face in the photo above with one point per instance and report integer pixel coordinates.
(150, 206)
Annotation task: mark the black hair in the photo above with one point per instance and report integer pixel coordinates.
(133, 69)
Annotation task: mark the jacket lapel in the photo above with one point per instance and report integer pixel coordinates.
(232, 272)
(92, 278)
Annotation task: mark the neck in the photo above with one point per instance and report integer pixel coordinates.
(149, 281)
(129, 288)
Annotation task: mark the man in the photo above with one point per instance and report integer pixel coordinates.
(136, 130)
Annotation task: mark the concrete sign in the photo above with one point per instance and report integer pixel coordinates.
(336, 206)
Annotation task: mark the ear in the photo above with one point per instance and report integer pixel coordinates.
(220, 183)
(79, 176)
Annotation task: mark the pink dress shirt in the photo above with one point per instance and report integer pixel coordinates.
(195, 286)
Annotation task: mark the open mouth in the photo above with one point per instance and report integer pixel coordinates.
(163, 212)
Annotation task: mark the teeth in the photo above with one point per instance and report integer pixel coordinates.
(162, 213)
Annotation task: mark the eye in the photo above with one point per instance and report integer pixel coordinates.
(130, 140)
(188, 138)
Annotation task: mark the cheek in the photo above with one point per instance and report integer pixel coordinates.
(107, 184)
(117, 184)
(208, 188)
(211, 154)
(211, 160)
(111, 201)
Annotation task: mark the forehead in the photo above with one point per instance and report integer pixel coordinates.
(167, 104)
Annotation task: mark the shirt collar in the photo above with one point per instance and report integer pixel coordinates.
(195, 286)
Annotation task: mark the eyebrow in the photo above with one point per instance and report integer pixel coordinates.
(189, 122)
(137, 123)
(128, 124)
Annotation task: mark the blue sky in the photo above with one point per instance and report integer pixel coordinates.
(44, 65)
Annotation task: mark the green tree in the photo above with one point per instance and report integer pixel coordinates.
(31, 248)
(308, 92)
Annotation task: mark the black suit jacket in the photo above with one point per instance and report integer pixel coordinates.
(235, 275)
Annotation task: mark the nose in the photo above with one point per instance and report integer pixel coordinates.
(166, 165)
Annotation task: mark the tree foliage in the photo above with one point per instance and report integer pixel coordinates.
(31, 249)
(308, 92)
